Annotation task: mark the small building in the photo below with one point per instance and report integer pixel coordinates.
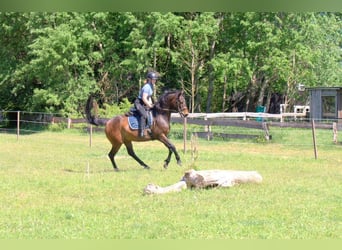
(325, 103)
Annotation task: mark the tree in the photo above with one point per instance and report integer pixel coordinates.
(192, 49)
(60, 70)
(14, 40)
(276, 51)
(224, 61)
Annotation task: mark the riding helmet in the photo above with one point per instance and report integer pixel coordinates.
(152, 75)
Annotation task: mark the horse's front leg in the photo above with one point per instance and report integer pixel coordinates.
(167, 160)
(172, 149)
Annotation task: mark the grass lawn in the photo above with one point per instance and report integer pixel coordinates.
(54, 186)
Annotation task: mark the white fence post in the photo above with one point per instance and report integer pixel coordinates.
(335, 132)
(18, 124)
(69, 122)
(90, 135)
(184, 134)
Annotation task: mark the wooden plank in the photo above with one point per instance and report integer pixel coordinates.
(59, 119)
(235, 136)
(220, 122)
(79, 120)
(242, 115)
(191, 121)
(300, 125)
(95, 129)
(205, 135)
(237, 123)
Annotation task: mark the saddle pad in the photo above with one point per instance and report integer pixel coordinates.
(133, 121)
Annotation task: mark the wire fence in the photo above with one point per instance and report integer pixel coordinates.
(24, 122)
(251, 128)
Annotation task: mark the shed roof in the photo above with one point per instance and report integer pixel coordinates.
(324, 88)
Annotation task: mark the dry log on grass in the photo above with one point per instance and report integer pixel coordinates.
(206, 179)
(154, 189)
(219, 178)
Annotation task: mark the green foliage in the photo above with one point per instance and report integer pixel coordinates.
(44, 99)
(112, 110)
(54, 61)
(57, 127)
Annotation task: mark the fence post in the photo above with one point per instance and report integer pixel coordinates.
(207, 128)
(18, 124)
(184, 134)
(314, 137)
(335, 132)
(69, 122)
(90, 135)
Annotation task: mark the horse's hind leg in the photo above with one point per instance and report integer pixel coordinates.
(131, 152)
(112, 154)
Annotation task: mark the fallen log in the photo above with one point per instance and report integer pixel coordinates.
(207, 179)
(155, 189)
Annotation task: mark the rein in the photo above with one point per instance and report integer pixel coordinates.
(172, 110)
(169, 110)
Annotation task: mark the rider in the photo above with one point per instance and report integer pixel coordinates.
(144, 101)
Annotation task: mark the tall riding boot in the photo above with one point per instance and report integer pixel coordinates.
(142, 126)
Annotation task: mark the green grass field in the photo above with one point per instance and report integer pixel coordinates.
(54, 186)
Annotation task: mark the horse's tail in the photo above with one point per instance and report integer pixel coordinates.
(91, 111)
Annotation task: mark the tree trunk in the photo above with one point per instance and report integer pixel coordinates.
(224, 97)
(211, 78)
(251, 91)
(264, 84)
(193, 79)
(268, 101)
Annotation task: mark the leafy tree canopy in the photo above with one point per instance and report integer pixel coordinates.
(224, 61)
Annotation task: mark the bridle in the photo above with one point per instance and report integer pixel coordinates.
(180, 108)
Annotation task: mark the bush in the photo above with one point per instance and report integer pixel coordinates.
(115, 109)
(57, 127)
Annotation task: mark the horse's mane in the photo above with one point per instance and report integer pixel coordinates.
(163, 97)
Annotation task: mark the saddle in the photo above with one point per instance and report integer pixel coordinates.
(134, 119)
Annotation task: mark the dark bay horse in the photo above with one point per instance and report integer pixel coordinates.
(119, 132)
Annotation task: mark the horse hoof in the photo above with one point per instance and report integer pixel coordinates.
(116, 170)
(146, 167)
(166, 165)
(179, 162)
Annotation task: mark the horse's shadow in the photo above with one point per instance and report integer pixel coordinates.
(85, 171)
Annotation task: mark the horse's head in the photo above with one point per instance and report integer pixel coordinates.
(181, 104)
(173, 101)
